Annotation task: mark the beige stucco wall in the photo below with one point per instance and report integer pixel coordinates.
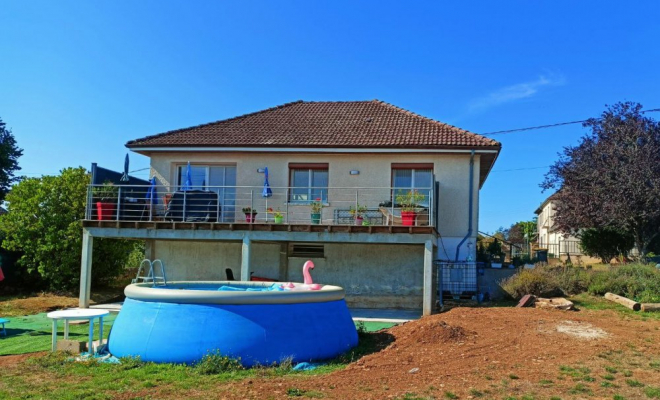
(451, 170)
(373, 276)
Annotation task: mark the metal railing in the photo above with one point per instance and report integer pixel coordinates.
(246, 204)
(561, 248)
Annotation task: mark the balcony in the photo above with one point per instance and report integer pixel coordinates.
(244, 208)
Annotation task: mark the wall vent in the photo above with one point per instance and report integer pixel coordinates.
(308, 250)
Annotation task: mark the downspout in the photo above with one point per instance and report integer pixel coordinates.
(470, 201)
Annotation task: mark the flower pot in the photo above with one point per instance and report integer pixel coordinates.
(408, 218)
(358, 221)
(279, 219)
(316, 218)
(250, 218)
(104, 211)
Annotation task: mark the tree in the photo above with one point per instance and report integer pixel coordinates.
(44, 224)
(9, 154)
(611, 179)
(605, 243)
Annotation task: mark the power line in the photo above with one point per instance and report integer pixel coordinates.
(551, 125)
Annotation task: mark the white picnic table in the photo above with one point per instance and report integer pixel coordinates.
(78, 314)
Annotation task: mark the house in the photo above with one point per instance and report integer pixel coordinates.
(559, 245)
(368, 156)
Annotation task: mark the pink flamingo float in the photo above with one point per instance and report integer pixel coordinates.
(308, 282)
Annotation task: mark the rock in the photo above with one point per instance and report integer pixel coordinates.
(558, 303)
(414, 370)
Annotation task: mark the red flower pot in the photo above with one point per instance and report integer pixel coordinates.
(250, 218)
(358, 221)
(104, 211)
(408, 218)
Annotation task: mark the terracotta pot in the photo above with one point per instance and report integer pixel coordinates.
(104, 211)
(408, 218)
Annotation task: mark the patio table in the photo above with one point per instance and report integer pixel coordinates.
(78, 314)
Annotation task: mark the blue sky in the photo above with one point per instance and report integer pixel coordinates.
(79, 79)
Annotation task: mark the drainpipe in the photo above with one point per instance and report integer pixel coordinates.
(469, 232)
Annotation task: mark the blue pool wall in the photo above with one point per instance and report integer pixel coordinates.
(255, 333)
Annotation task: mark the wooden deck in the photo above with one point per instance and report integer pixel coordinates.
(259, 227)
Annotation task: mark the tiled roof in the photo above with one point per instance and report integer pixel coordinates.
(346, 124)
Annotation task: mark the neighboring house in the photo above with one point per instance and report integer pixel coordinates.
(559, 245)
(346, 154)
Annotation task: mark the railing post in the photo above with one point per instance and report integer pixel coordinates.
(217, 204)
(118, 203)
(185, 192)
(356, 205)
(151, 203)
(252, 216)
(392, 210)
(90, 202)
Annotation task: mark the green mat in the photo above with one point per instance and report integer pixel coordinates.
(373, 326)
(32, 333)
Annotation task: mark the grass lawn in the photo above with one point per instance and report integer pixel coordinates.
(32, 333)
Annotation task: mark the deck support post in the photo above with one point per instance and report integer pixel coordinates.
(150, 249)
(86, 269)
(430, 280)
(245, 258)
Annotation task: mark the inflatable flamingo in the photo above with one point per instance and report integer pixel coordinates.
(308, 278)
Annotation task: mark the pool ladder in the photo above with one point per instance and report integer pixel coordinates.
(151, 277)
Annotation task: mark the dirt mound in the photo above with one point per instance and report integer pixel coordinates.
(430, 330)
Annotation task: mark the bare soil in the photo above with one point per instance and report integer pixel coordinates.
(46, 302)
(489, 353)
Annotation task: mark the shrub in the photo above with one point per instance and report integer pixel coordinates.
(215, 363)
(546, 281)
(636, 281)
(605, 243)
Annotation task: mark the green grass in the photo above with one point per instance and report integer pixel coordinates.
(32, 333)
(53, 376)
(652, 392)
(598, 303)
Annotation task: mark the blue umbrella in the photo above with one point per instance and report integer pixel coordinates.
(124, 177)
(187, 184)
(266, 192)
(152, 192)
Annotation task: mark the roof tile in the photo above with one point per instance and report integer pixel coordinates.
(322, 124)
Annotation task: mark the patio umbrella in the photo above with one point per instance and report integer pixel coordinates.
(267, 192)
(124, 177)
(152, 192)
(187, 184)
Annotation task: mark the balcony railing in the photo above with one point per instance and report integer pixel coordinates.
(246, 204)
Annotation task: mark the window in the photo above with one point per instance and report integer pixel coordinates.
(308, 182)
(218, 178)
(407, 177)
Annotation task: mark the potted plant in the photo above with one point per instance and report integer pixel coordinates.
(250, 214)
(106, 196)
(409, 204)
(357, 213)
(278, 217)
(317, 206)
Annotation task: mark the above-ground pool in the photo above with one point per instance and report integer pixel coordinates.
(256, 321)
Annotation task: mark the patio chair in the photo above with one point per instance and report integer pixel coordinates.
(193, 206)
